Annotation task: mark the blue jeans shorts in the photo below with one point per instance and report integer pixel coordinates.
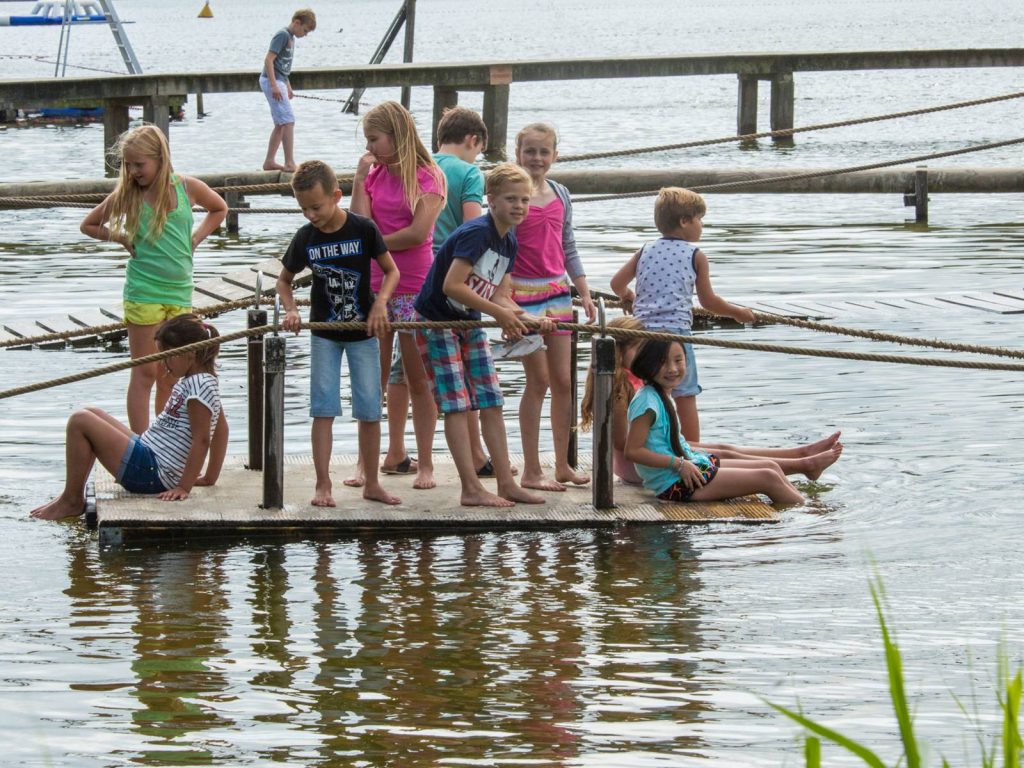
(363, 373)
(137, 471)
(689, 386)
(280, 110)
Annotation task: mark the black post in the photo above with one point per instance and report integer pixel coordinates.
(273, 420)
(410, 33)
(574, 424)
(256, 318)
(603, 361)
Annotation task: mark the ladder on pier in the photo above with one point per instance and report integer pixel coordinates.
(73, 8)
(352, 103)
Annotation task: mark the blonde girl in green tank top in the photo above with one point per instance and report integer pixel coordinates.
(149, 213)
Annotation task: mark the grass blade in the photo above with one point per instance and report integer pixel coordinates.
(850, 745)
(812, 752)
(1011, 727)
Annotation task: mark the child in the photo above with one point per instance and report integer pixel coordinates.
(809, 460)
(274, 82)
(399, 186)
(547, 251)
(150, 214)
(167, 459)
(471, 275)
(339, 247)
(668, 271)
(668, 466)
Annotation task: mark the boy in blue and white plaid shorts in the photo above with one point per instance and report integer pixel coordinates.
(469, 276)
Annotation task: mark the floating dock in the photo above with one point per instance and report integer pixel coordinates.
(232, 508)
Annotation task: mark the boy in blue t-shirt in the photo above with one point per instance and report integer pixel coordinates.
(338, 246)
(277, 87)
(470, 275)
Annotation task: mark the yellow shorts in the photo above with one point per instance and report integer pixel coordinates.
(137, 313)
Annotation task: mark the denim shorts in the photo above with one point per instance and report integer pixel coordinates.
(363, 373)
(689, 386)
(137, 471)
(280, 110)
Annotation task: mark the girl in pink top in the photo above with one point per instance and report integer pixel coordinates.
(399, 186)
(546, 262)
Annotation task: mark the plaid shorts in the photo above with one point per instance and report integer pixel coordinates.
(460, 369)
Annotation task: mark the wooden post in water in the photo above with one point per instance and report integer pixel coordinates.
(115, 122)
(234, 201)
(574, 387)
(919, 196)
(444, 98)
(273, 418)
(782, 105)
(746, 107)
(602, 359)
(200, 112)
(495, 111)
(410, 33)
(254, 319)
(156, 109)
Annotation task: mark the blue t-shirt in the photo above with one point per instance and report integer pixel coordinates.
(659, 440)
(282, 45)
(465, 185)
(492, 256)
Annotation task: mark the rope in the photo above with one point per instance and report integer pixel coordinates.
(809, 175)
(467, 324)
(786, 131)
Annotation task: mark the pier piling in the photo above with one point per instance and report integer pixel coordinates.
(254, 319)
(603, 361)
(273, 421)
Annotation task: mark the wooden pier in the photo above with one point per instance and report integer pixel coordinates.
(232, 508)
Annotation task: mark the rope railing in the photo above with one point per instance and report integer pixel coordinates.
(582, 328)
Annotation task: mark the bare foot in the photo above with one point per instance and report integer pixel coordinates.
(541, 482)
(424, 479)
(516, 493)
(820, 462)
(484, 499)
(59, 508)
(812, 449)
(273, 167)
(322, 496)
(376, 492)
(288, 167)
(358, 480)
(570, 475)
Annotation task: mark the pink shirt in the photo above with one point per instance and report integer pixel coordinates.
(390, 212)
(540, 242)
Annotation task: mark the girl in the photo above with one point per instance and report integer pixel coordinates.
(150, 214)
(166, 459)
(809, 460)
(398, 185)
(668, 466)
(547, 251)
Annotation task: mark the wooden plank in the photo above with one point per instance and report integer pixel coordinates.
(778, 308)
(927, 301)
(247, 279)
(1011, 293)
(89, 318)
(22, 330)
(218, 289)
(58, 325)
(272, 268)
(1007, 306)
(7, 337)
(974, 303)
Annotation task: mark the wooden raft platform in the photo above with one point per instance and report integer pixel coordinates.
(231, 508)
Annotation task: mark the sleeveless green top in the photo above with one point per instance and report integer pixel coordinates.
(161, 270)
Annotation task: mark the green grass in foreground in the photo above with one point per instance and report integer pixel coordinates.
(1009, 696)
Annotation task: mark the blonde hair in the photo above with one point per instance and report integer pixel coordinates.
(313, 172)
(622, 390)
(544, 129)
(125, 208)
(505, 173)
(392, 118)
(675, 203)
(306, 17)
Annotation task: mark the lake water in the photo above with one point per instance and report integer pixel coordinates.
(633, 647)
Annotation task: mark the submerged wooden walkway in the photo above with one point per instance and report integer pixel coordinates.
(231, 508)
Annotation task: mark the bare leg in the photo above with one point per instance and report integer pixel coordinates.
(475, 441)
(456, 432)
(559, 361)
(492, 423)
(288, 143)
(796, 452)
(270, 162)
(369, 453)
(142, 377)
(424, 411)
(810, 466)
(731, 482)
(91, 434)
(689, 420)
(398, 405)
(530, 407)
(322, 438)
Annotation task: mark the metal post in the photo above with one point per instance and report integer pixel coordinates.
(603, 360)
(410, 32)
(255, 318)
(574, 419)
(273, 417)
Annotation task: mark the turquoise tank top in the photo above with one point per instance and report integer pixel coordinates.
(161, 270)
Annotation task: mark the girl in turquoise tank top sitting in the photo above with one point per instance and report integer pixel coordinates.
(150, 214)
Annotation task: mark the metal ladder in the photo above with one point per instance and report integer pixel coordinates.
(131, 62)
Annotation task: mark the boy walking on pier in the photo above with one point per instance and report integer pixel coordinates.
(277, 67)
(337, 246)
(470, 275)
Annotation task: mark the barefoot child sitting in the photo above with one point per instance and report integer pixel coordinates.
(469, 276)
(671, 468)
(338, 246)
(167, 459)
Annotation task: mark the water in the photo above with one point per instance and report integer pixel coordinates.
(634, 647)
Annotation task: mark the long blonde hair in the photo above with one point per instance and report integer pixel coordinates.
(622, 390)
(126, 202)
(392, 118)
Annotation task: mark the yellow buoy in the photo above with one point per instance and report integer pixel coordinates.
(206, 13)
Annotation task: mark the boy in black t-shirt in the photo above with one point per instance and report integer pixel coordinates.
(337, 246)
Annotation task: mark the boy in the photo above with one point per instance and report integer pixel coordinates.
(667, 271)
(277, 66)
(337, 246)
(470, 275)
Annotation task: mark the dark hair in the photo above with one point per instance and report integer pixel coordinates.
(648, 361)
(182, 330)
(459, 122)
